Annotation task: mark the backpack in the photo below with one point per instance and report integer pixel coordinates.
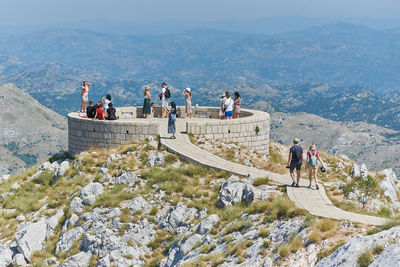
(167, 93)
(172, 116)
(297, 153)
(313, 158)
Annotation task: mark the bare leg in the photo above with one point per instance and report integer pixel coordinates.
(298, 176)
(310, 175)
(292, 175)
(315, 173)
(162, 112)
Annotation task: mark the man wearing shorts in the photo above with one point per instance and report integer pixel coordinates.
(228, 106)
(164, 100)
(84, 95)
(295, 160)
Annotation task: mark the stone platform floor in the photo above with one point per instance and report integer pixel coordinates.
(314, 201)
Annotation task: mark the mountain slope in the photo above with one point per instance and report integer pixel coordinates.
(29, 131)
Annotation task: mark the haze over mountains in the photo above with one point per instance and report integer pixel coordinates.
(341, 71)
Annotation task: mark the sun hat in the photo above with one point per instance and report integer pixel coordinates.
(223, 94)
(188, 89)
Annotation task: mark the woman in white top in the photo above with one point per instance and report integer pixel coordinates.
(228, 106)
(84, 95)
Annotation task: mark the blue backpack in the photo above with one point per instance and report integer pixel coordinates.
(313, 158)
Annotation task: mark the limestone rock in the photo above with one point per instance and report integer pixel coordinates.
(207, 224)
(76, 205)
(127, 178)
(82, 259)
(90, 192)
(177, 218)
(4, 177)
(15, 186)
(66, 241)
(53, 221)
(19, 260)
(70, 221)
(389, 257)
(64, 166)
(348, 254)
(31, 237)
(355, 170)
(155, 158)
(234, 191)
(51, 262)
(363, 171)
(110, 159)
(5, 256)
(138, 203)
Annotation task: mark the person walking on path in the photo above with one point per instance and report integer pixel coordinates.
(236, 105)
(221, 107)
(172, 120)
(295, 161)
(164, 97)
(147, 102)
(187, 93)
(228, 106)
(84, 95)
(312, 165)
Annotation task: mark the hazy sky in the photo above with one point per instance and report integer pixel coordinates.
(26, 12)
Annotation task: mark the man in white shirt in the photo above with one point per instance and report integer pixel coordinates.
(228, 106)
(164, 100)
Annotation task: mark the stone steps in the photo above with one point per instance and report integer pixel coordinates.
(314, 201)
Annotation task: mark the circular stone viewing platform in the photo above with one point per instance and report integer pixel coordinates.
(250, 130)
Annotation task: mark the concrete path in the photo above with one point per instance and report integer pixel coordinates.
(314, 201)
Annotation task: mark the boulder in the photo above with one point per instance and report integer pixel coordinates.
(110, 159)
(90, 192)
(51, 262)
(155, 158)
(127, 178)
(355, 171)
(138, 203)
(71, 221)
(4, 177)
(76, 205)
(207, 224)
(19, 260)
(178, 217)
(389, 257)
(363, 171)
(54, 220)
(15, 186)
(64, 166)
(5, 256)
(348, 254)
(82, 259)
(66, 241)
(234, 191)
(31, 237)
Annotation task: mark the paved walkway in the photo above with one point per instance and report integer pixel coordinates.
(314, 201)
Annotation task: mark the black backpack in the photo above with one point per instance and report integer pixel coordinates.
(167, 93)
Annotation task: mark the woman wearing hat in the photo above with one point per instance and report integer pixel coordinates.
(188, 107)
(147, 102)
(312, 164)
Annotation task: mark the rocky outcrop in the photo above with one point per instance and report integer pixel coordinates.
(234, 191)
(348, 254)
(30, 238)
(90, 192)
(127, 178)
(207, 224)
(155, 158)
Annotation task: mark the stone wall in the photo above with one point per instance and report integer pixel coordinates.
(84, 133)
(251, 130)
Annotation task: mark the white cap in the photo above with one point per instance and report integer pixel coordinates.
(188, 89)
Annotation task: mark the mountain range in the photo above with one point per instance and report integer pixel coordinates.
(29, 131)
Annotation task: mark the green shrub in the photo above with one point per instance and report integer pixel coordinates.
(261, 181)
(44, 178)
(365, 259)
(171, 158)
(384, 212)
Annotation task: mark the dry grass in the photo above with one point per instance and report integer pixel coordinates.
(322, 229)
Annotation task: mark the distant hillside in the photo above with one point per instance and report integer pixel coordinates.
(341, 71)
(29, 131)
(375, 146)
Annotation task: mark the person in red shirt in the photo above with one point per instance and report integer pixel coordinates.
(100, 114)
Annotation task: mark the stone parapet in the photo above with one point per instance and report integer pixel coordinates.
(250, 130)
